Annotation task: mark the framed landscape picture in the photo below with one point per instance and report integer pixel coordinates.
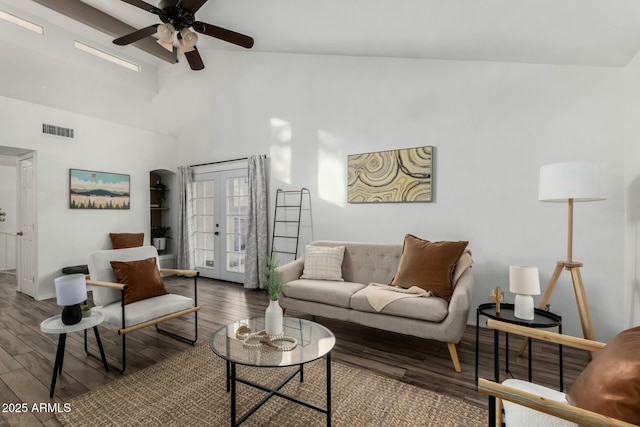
(392, 176)
(98, 190)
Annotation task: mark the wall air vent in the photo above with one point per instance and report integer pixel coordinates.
(54, 130)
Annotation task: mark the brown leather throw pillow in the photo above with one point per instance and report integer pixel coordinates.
(610, 384)
(142, 277)
(428, 265)
(126, 240)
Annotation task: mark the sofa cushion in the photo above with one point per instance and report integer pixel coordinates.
(610, 384)
(126, 240)
(429, 265)
(323, 291)
(422, 308)
(323, 263)
(142, 278)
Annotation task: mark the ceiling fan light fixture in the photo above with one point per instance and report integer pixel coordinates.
(189, 38)
(165, 32)
(179, 22)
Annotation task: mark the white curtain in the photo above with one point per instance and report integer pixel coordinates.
(257, 239)
(186, 228)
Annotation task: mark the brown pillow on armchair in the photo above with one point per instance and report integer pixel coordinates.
(142, 278)
(610, 384)
(126, 240)
(428, 265)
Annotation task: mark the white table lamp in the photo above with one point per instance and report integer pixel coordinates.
(71, 290)
(524, 282)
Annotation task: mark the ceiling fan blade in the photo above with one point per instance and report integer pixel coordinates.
(136, 35)
(194, 59)
(191, 5)
(223, 34)
(142, 5)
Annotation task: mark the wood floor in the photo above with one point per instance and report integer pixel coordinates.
(27, 355)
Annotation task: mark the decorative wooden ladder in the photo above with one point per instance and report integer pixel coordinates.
(287, 221)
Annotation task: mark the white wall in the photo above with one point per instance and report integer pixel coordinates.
(632, 192)
(8, 203)
(66, 236)
(492, 125)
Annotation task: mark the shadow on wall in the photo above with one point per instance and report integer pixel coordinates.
(634, 219)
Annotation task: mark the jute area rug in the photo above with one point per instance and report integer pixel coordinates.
(189, 389)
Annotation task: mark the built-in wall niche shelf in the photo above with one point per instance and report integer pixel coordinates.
(161, 221)
(159, 193)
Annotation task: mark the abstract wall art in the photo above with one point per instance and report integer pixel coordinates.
(392, 176)
(98, 190)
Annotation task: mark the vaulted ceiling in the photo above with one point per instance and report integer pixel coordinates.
(569, 32)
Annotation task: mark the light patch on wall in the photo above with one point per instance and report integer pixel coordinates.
(280, 152)
(331, 169)
(107, 56)
(280, 129)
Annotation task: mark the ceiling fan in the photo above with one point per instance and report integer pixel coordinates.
(178, 17)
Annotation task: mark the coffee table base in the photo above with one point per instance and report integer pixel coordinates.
(232, 378)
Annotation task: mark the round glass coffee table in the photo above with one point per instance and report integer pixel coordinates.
(313, 341)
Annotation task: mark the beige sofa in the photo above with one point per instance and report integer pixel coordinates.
(364, 263)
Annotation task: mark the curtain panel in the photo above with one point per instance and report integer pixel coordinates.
(257, 235)
(186, 227)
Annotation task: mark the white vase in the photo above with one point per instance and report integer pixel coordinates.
(273, 319)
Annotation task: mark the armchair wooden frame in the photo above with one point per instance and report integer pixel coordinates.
(538, 403)
(124, 330)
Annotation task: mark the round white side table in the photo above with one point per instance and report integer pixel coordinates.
(54, 325)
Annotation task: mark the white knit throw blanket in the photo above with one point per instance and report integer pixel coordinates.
(380, 295)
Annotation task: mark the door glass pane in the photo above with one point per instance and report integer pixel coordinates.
(205, 223)
(236, 200)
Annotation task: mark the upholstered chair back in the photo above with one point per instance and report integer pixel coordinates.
(100, 270)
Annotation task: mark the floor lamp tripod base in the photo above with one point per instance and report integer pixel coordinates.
(581, 297)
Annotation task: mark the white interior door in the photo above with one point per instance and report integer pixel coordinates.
(222, 204)
(26, 242)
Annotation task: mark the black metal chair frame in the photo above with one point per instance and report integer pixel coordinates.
(123, 331)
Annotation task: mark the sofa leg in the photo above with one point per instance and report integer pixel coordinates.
(454, 356)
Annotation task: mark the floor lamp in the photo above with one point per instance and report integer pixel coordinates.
(569, 182)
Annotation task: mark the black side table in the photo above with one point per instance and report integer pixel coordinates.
(541, 319)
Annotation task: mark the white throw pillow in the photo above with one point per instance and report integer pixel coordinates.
(323, 263)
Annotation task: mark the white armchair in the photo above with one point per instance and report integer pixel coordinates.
(110, 297)
(528, 404)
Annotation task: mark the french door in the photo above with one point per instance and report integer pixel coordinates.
(221, 209)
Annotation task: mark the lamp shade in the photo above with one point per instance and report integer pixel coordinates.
(189, 37)
(71, 289)
(165, 32)
(560, 182)
(524, 280)
(165, 36)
